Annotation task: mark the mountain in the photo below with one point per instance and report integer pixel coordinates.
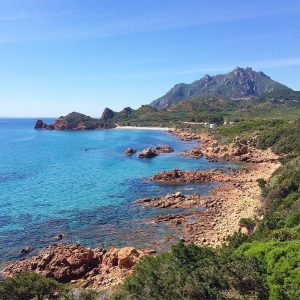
(239, 83)
(214, 108)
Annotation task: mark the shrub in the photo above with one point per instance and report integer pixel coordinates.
(281, 265)
(285, 234)
(27, 286)
(191, 272)
(293, 220)
(248, 223)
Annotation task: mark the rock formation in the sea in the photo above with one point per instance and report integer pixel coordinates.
(107, 114)
(41, 125)
(26, 250)
(147, 153)
(74, 121)
(164, 148)
(129, 151)
(177, 200)
(91, 268)
(178, 176)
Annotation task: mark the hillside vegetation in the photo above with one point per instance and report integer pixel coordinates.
(215, 109)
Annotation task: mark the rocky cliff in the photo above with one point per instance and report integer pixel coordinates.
(74, 121)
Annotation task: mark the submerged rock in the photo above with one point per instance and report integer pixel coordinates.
(59, 237)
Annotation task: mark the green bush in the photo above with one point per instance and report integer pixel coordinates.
(285, 234)
(27, 286)
(248, 223)
(191, 272)
(293, 220)
(281, 265)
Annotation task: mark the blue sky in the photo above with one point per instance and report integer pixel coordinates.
(60, 56)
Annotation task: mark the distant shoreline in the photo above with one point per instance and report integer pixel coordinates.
(145, 128)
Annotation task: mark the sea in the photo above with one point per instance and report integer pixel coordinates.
(81, 185)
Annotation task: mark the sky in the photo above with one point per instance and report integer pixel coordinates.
(59, 56)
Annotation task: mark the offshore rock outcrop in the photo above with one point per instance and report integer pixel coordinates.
(164, 149)
(84, 267)
(129, 151)
(74, 121)
(148, 153)
(180, 176)
(177, 200)
(41, 125)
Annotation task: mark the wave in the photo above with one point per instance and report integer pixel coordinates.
(29, 138)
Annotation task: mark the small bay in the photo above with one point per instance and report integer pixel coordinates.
(80, 184)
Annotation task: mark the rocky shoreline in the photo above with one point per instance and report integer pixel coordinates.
(204, 220)
(83, 267)
(237, 196)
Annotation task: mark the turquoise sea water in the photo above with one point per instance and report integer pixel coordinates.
(80, 184)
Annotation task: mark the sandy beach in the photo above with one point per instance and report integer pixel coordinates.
(145, 128)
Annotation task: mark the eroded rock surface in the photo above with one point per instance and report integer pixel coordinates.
(129, 151)
(84, 267)
(148, 153)
(180, 176)
(164, 148)
(174, 201)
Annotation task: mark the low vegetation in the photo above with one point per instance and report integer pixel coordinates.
(212, 108)
(191, 272)
(31, 286)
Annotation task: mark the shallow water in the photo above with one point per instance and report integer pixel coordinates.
(80, 184)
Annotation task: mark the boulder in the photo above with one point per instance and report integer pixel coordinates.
(147, 153)
(242, 150)
(127, 257)
(26, 250)
(59, 237)
(178, 195)
(129, 151)
(164, 148)
(244, 230)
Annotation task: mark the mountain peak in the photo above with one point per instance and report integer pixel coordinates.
(239, 83)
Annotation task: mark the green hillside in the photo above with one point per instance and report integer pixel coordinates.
(215, 108)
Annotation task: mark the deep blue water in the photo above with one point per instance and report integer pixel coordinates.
(80, 184)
